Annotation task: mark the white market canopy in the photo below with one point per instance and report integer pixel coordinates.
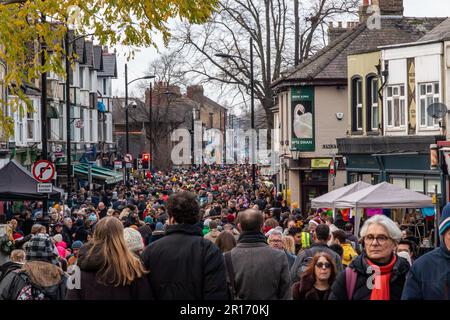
(384, 195)
(327, 200)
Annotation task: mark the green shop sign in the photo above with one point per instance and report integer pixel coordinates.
(302, 106)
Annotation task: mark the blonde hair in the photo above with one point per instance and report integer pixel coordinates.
(289, 244)
(121, 266)
(18, 256)
(125, 213)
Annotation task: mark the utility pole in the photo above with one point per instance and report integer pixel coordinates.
(68, 119)
(127, 141)
(150, 119)
(296, 34)
(44, 127)
(252, 104)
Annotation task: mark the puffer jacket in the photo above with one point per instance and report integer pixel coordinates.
(361, 290)
(48, 277)
(91, 289)
(429, 277)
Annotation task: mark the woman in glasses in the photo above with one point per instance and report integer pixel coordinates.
(378, 273)
(316, 280)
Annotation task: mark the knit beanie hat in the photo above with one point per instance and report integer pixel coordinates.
(444, 222)
(40, 247)
(159, 226)
(57, 238)
(133, 239)
(77, 244)
(148, 219)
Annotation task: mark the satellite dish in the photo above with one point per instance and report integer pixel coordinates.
(437, 110)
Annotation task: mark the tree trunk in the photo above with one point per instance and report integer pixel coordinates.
(296, 34)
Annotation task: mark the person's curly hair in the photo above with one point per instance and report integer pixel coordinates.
(184, 207)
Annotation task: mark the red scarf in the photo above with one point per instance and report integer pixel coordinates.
(380, 290)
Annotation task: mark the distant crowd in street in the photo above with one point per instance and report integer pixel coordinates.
(204, 234)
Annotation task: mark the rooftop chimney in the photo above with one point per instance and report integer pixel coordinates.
(390, 7)
(195, 92)
(335, 32)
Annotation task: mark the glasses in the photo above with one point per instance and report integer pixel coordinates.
(380, 239)
(323, 265)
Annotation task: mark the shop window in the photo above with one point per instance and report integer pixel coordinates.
(416, 185)
(430, 184)
(399, 182)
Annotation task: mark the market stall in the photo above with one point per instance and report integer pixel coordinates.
(384, 196)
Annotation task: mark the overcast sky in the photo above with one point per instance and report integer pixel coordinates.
(138, 66)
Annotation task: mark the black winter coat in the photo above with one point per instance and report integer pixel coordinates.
(361, 291)
(91, 289)
(185, 266)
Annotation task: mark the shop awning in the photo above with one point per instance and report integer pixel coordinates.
(99, 174)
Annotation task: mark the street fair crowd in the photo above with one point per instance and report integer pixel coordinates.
(210, 233)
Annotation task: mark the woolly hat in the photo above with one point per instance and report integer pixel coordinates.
(230, 218)
(40, 247)
(77, 244)
(57, 238)
(133, 239)
(444, 222)
(159, 226)
(148, 219)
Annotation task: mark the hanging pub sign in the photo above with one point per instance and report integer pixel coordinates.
(302, 106)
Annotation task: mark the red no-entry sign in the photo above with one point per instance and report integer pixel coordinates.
(43, 171)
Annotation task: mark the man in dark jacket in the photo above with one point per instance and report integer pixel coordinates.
(184, 265)
(260, 271)
(321, 237)
(429, 277)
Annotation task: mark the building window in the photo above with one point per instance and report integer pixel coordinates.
(30, 124)
(357, 108)
(372, 104)
(428, 94)
(211, 120)
(104, 86)
(396, 113)
(81, 78)
(82, 121)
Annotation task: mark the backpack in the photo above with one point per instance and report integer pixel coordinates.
(350, 282)
(32, 291)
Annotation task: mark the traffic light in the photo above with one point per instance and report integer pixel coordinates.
(146, 161)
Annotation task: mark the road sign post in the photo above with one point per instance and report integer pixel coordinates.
(44, 188)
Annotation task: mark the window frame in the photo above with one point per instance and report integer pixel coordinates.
(372, 108)
(391, 99)
(357, 104)
(433, 95)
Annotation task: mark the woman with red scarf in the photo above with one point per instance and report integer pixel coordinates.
(378, 273)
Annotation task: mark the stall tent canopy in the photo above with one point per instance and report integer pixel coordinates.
(17, 183)
(99, 175)
(327, 200)
(384, 195)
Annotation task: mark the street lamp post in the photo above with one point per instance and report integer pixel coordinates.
(127, 136)
(252, 103)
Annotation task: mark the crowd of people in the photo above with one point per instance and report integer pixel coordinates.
(205, 234)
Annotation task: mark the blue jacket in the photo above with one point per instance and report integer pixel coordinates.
(429, 277)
